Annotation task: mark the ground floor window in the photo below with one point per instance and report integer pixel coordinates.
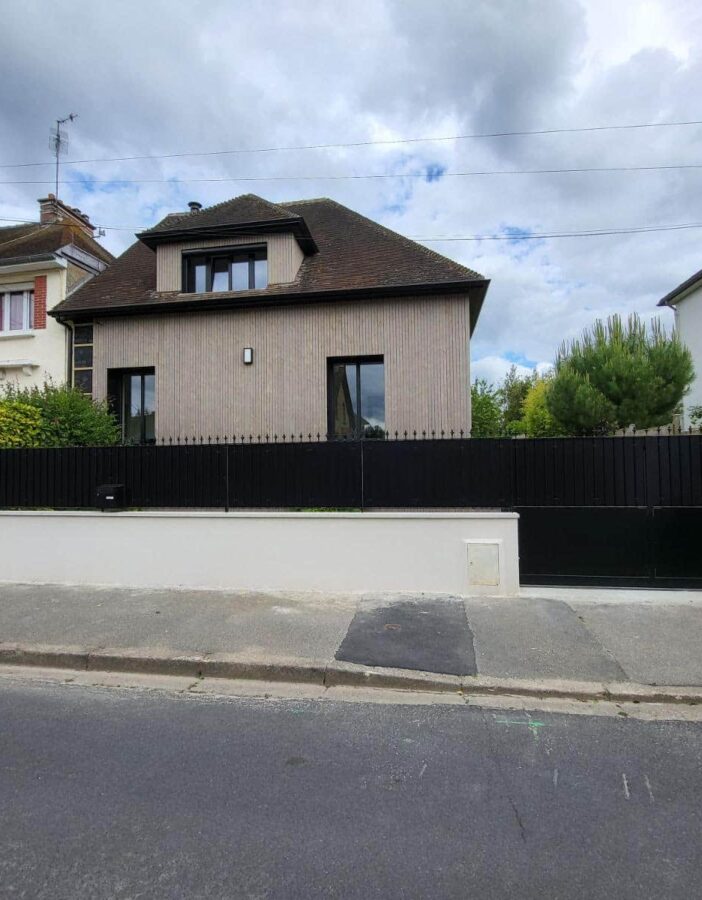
(83, 358)
(132, 398)
(357, 397)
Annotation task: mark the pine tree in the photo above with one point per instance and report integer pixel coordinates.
(617, 375)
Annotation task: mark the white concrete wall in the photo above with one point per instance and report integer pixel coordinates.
(332, 552)
(46, 347)
(688, 320)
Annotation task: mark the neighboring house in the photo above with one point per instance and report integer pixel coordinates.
(686, 302)
(41, 264)
(263, 319)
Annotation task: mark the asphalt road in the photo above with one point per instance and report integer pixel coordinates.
(110, 793)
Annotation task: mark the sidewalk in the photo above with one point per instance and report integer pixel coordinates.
(590, 642)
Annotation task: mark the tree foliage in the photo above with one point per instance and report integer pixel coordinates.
(486, 411)
(617, 375)
(537, 420)
(61, 416)
(20, 424)
(512, 393)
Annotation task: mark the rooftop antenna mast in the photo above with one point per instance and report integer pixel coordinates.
(58, 143)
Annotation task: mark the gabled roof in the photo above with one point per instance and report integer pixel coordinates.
(23, 242)
(682, 290)
(240, 210)
(246, 214)
(353, 256)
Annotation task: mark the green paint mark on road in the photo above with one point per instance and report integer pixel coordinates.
(532, 724)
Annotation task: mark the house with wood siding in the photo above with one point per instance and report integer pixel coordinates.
(263, 319)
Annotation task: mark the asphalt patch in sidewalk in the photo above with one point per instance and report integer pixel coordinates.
(425, 636)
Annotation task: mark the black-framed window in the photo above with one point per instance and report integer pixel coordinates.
(83, 357)
(132, 399)
(225, 270)
(356, 397)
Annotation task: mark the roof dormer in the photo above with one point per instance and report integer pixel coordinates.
(243, 244)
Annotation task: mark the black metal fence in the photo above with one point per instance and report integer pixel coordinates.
(614, 510)
(432, 473)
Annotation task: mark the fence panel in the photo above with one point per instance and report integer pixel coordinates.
(443, 473)
(300, 475)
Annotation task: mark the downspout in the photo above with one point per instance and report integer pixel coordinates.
(71, 337)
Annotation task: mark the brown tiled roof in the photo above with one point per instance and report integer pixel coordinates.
(241, 210)
(131, 279)
(355, 253)
(34, 239)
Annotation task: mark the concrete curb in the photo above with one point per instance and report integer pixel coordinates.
(334, 674)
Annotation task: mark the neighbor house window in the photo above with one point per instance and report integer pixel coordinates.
(225, 270)
(357, 397)
(132, 399)
(16, 311)
(83, 358)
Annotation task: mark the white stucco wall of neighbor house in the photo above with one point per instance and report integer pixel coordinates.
(463, 554)
(36, 354)
(688, 321)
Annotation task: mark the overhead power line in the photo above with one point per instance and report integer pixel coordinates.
(379, 143)
(428, 176)
(528, 236)
(558, 234)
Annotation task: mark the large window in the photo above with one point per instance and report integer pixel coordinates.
(16, 311)
(357, 397)
(132, 398)
(225, 270)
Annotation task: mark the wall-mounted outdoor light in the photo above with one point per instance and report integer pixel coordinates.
(248, 356)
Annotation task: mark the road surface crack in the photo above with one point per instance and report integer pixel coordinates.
(503, 780)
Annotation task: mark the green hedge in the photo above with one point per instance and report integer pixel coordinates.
(54, 416)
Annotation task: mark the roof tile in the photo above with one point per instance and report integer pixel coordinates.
(354, 253)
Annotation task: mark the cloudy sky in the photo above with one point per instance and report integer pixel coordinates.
(154, 78)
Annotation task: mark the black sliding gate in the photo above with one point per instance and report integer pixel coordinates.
(613, 546)
(609, 511)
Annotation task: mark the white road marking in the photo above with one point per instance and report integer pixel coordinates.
(555, 778)
(626, 786)
(648, 788)
(423, 770)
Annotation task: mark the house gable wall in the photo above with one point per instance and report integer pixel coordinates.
(688, 318)
(46, 345)
(203, 387)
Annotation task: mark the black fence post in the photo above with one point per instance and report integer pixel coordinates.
(226, 478)
(363, 482)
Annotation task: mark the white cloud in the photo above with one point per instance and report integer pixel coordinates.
(494, 368)
(157, 77)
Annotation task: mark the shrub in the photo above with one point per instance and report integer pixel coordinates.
(20, 424)
(67, 417)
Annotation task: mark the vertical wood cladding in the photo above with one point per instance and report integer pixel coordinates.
(203, 387)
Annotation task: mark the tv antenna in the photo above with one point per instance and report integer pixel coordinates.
(58, 143)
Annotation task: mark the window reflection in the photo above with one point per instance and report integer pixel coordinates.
(220, 275)
(357, 399)
(132, 398)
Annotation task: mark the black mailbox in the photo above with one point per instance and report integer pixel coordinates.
(111, 496)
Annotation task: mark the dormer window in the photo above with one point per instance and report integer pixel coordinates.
(225, 270)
